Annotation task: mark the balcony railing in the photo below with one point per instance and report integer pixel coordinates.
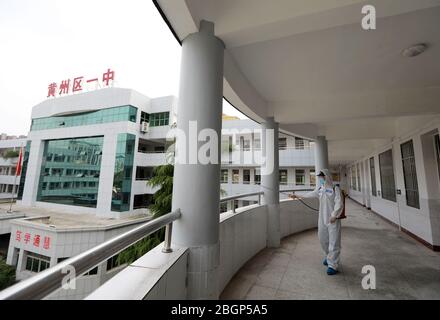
(46, 282)
(259, 194)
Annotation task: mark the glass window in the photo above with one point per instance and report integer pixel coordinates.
(23, 170)
(145, 117)
(123, 172)
(283, 176)
(36, 262)
(235, 176)
(299, 143)
(113, 262)
(373, 177)
(312, 178)
(57, 185)
(353, 177)
(282, 143)
(223, 207)
(387, 175)
(257, 176)
(159, 119)
(122, 113)
(224, 176)
(142, 200)
(246, 176)
(358, 176)
(410, 175)
(300, 177)
(257, 141)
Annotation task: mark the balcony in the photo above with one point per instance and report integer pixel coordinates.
(289, 157)
(150, 158)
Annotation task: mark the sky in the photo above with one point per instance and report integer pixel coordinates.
(49, 41)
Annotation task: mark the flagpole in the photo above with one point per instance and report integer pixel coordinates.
(15, 178)
(12, 196)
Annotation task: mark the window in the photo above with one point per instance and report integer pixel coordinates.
(387, 175)
(246, 176)
(373, 177)
(358, 176)
(282, 143)
(235, 176)
(353, 178)
(257, 176)
(312, 178)
(224, 176)
(235, 204)
(300, 177)
(144, 173)
(257, 141)
(159, 119)
(299, 143)
(245, 203)
(36, 262)
(410, 175)
(59, 185)
(223, 207)
(123, 171)
(116, 114)
(145, 117)
(142, 200)
(245, 145)
(113, 262)
(283, 176)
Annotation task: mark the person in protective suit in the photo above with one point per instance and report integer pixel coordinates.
(331, 205)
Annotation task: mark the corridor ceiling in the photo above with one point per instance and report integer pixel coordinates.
(312, 66)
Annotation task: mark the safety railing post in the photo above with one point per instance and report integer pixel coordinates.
(167, 243)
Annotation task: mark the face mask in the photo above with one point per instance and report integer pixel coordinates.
(321, 181)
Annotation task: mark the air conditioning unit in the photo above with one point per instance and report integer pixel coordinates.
(145, 126)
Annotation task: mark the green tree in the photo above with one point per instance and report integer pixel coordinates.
(7, 274)
(162, 199)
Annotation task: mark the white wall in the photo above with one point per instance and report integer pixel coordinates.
(420, 222)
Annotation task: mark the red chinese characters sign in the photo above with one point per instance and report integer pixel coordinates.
(78, 84)
(35, 240)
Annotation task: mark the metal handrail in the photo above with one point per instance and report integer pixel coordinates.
(294, 190)
(259, 194)
(49, 280)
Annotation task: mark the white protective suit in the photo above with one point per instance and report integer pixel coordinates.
(330, 204)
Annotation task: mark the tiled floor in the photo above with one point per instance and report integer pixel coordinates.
(405, 269)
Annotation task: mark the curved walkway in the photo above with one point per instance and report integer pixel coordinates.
(405, 269)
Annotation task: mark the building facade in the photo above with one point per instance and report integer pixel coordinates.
(86, 164)
(9, 152)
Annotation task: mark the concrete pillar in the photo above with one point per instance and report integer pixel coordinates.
(321, 154)
(33, 172)
(270, 181)
(196, 187)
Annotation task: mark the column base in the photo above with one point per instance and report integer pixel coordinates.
(203, 264)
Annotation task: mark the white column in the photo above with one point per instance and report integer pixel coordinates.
(196, 187)
(321, 154)
(33, 172)
(270, 181)
(106, 175)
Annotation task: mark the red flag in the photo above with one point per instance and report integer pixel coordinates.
(18, 168)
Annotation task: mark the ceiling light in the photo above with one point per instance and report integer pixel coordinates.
(415, 50)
